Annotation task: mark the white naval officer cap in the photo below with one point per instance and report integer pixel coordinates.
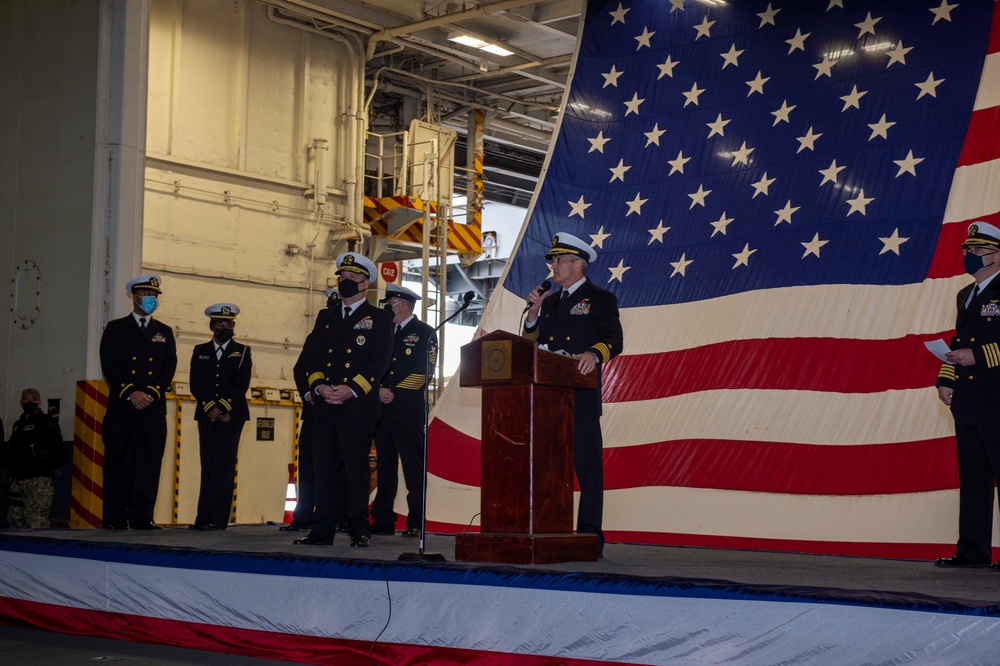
(397, 291)
(355, 262)
(222, 311)
(144, 281)
(564, 243)
(982, 233)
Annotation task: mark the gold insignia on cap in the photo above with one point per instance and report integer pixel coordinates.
(349, 260)
(153, 282)
(555, 239)
(226, 310)
(974, 229)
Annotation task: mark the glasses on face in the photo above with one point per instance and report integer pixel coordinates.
(978, 251)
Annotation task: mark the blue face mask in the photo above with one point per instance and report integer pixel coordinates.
(973, 263)
(148, 304)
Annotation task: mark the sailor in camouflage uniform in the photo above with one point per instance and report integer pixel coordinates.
(400, 432)
(220, 377)
(33, 454)
(138, 358)
(582, 320)
(343, 365)
(969, 383)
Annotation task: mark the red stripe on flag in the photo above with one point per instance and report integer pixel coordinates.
(994, 44)
(777, 467)
(982, 141)
(780, 467)
(808, 364)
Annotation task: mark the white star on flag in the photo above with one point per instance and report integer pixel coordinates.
(667, 68)
(644, 38)
(813, 246)
(657, 233)
(760, 187)
(892, 243)
(743, 257)
(929, 86)
(785, 212)
(859, 204)
(680, 266)
(881, 128)
(619, 14)
(618, 271)
(618, 172)
(653, 136)
(597, 240)
(781, 115)
(908, 164)
(632, 105)
(719, 226)
(597, 143)
(830, 173)
(853, 100)
(635, 206)
(578, 207)
(698, 198)
(704, 28)
(611, 78)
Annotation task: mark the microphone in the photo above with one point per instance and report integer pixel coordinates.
(542, 288)
(468, 297)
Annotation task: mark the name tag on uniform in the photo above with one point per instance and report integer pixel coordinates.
(204, 358)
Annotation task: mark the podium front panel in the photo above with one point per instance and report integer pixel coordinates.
(527, 463)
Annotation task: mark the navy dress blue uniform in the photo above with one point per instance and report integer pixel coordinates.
(975, 406)
(134, 439)
(585, 321)
(400, 433)
(354, 352)
(305, 505)
(219, 382)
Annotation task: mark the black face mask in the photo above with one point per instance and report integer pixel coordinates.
(348, 288)
(30, 408)
(223, 334)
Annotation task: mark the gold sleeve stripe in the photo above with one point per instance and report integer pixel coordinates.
(992, 354)
(225, 403)
(208, 405)
(363, 383)
(531, 335)
(315, 377)
(124, 388)
(947, 372)
(155, 390)
(603, 350)
(412, 383)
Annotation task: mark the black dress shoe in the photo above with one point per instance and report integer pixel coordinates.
(118, 525)
(359, 542)
(959, 561)
(411, 532)
(206, 527)
(995, 565)
(146, 526)
(295, 527)
(313, 540)
(381, 531)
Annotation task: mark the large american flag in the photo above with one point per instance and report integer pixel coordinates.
(776, 192)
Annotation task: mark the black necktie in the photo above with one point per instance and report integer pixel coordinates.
(398, 327)
(347, 312)
(142, 324)
(975, 292)
(218, 354)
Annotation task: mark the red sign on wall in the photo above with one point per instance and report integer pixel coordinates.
(390, 271)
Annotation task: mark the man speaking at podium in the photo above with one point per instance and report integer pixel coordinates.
(581, 320)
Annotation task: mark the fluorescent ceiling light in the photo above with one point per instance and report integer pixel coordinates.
(478, 43)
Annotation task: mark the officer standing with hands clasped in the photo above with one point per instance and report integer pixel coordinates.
(581, 320)
(343, 365)
(138, 358)
(220, 377)
(400, 432)
(969, 383)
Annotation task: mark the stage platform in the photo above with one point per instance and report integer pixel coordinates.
(248, 590)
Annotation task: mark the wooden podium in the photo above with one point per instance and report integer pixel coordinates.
(527, 453)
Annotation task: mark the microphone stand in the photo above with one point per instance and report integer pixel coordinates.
(421, 555)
